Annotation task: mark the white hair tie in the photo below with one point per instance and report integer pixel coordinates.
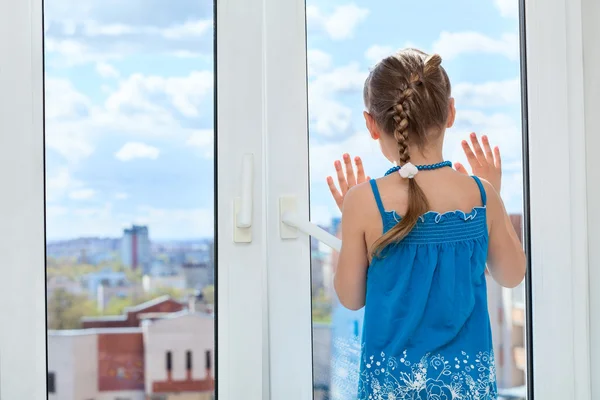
(408, 170)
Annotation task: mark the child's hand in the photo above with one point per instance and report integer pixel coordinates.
(486, 165)
(347, 181)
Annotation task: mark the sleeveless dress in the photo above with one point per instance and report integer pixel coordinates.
(426, 332)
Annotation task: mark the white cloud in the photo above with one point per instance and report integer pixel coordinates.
(453, 44)
(139, 92)
(488, 94)
(376, 53)
(134, 150)
(328, 116)
(318, 62)
(82, 194)
(106, 70)
(508, 8)
(65, 108)
(338, 25)
(59, 183)
(140, 106)
(91, 41)
(72, 52)
(66, 102)
(188, 29)
(121, 196)
(203, 140)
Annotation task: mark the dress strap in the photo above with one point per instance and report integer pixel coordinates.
(377, 198)
(481, 190)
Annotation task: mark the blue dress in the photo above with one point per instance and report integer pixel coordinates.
(426, 332)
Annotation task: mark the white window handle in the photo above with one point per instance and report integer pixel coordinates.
(291, 223)
(244, 215)
(242, 206)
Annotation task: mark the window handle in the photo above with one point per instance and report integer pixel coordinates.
(242, 209)
(244, 215)
(291, 223)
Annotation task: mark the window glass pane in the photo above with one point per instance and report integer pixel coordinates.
(479, 45)
(129, 89)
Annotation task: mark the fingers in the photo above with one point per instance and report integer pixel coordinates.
(488, 150)
(341, 178)
(478, 150)
(337, 196)
(461, 168)
(350, 178)
(497, 159)
(360, 170)
(470, 155)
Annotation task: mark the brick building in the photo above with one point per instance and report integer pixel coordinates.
(167, 356)
(133, 316)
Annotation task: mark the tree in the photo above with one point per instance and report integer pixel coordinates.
(209, 294)
(66, 309)
(117, 305)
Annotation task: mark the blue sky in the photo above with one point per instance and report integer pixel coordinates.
(129, 102)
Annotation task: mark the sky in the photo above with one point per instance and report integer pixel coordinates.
(129, 102)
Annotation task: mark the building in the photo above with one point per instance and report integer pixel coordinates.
(198, 275)
(99, 364)
(61, 282)
(321, 360)
(156, 282)
(133, 316)
(179, 356)
(169, 357)
(317, 259)
(507, 317)
(135, 248)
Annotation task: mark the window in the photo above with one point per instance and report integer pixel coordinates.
(101, 157)
(51, 382)
(486, 87)
(208, 360)
(169, 362)
(130, 183)
(188, 360)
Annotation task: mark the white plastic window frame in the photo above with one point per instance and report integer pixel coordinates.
(264, 336)
(242, 356)
(556, 210)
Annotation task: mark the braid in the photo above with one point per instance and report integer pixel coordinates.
(417, 201)
(401, 125)
(408, 96)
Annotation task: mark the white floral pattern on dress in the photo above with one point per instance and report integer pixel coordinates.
(432, 378)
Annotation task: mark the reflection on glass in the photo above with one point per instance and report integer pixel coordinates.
(478, 41)
(129, 212)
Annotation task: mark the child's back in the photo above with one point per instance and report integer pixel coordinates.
(415, 246)
(426, 329)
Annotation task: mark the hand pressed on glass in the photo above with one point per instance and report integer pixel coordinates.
(484, 163)
(346, 180)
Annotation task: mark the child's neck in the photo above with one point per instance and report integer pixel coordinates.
(426, 157)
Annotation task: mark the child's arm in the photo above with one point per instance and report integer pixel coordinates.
(351, 273)
(506, 258)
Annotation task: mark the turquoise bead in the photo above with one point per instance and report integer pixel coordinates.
(428, 167)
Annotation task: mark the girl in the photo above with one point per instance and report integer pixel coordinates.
(416, 243)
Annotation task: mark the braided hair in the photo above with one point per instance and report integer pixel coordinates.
(408, 96)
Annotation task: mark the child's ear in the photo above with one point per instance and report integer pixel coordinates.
(451, 113)
(371, 126)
